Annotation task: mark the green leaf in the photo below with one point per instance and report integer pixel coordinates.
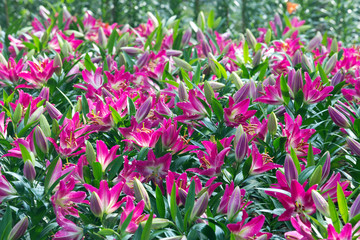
(85, 104)
(323, 76)
(173, 205)
(246, 52)
(296, 160)
(107, 232)
(190, 198)
(211, 18)
(218, 109)
(126, 222)
(6, 224)
(24, 153)
(111, 40)
(131, 107)
(284, 89)
(334, 215)
(116, 116)
(343, 208)
(97, 170)
(310, 156)
(147, 228)
(89, 64)
(160, 205)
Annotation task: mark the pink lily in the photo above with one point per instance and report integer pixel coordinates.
(103, 155)
(65, 199)
(238, 114)
(137, 216)
(345, 234)
(303, 231)
(108, 197)
(154, 168)
(40, 73)
(272, 94)
(93, 79)
(100, 116)
(261, 162)
(211, 162)
(127, 175)
(329, 189)
(69, 231)
(352, 94)
(193, 109)
(6, 189)
(314, 91)
(250, 230)
(9, 73)
(59, 172)
(3, 125)
(299, 201)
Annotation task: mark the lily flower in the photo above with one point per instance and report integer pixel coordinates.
(329, 189)
(65, 199)
(9, 72)
(250, 230)
(137, 216)
(315, 91)
(109, 197)
(40, 73)
(271, 94)
(105, 156)
(69, 230)
(238, 114)
(302, 232)
(345, 234)
(261, 162)
(6, 189)
(193, 109)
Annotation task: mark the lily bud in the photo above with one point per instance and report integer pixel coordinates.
(90, 153)
(186, 37)
(330, 64)
(355, 208)
(353, 145)
(36, 115)
(65, 49)
(19, 229)
(241, 148)
(182, 196)
(234, 78)
(201, 20)
(238, 133)
(315, 177)
(153, 19)
(298, 83)
(205, 48)
(141, 193)
(320, 203)
(280, 111)
(143, 110)
(216, 85)
(307, 63)
(44, 125)
(182, 92)
(334, 45)
(272, 124)
(57, 64)
(234, 204)
(290, 170)
(242, 93)
(41, 140)
(296, 58)
(250, 39)
(96, 205)
(44, 12)
(182, 64)
(200, 206)
(29, 171)
(102, 40)
(123, 41)
(337, 78)
(131, 50)
(143, 59)
(157, 223)
(338, 118)
(314, 42)
(326, 167)
(173, 53)
(209, 92)
(256, 59)
(53, 111)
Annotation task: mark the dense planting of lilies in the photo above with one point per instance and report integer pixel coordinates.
(162, 131)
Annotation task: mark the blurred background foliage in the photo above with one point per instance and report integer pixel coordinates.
(339, 18)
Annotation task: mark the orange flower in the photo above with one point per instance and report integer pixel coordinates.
(291, 7)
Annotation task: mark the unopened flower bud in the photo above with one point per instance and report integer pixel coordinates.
(143, 59)
(238, 133)
(272, 124)
(216, 85)
(355, 208)
(234, 204)
(141, 193)
(102, 40)
(338, 118)
(17, 114)
(96, 205)
(326, 167)
(315, 177)
(200, 206)
(157, 223)
(53, 111)
(41, 140)
(234, 78)
(353, 145)
(320, 203)
(241, 148)
(123, 41)
(57, 64)
(250, 39)
(36, 115)
(29, 171)
(290, 170)
(90, 153)
(201, 20)
(334, 45)
(330, 64)
(256, 59)
(19, 229)
(132, 50)
(183, 94)
(143, 110)
(182, 196)
(243, 93)
(182, 64)
(314, 42)
(209, 92)
(153, 19)
(337, 78)
(173, 53)
(186, 37)
(296, 58)
(307, 63)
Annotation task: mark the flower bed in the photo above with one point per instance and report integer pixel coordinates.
(167, 132)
